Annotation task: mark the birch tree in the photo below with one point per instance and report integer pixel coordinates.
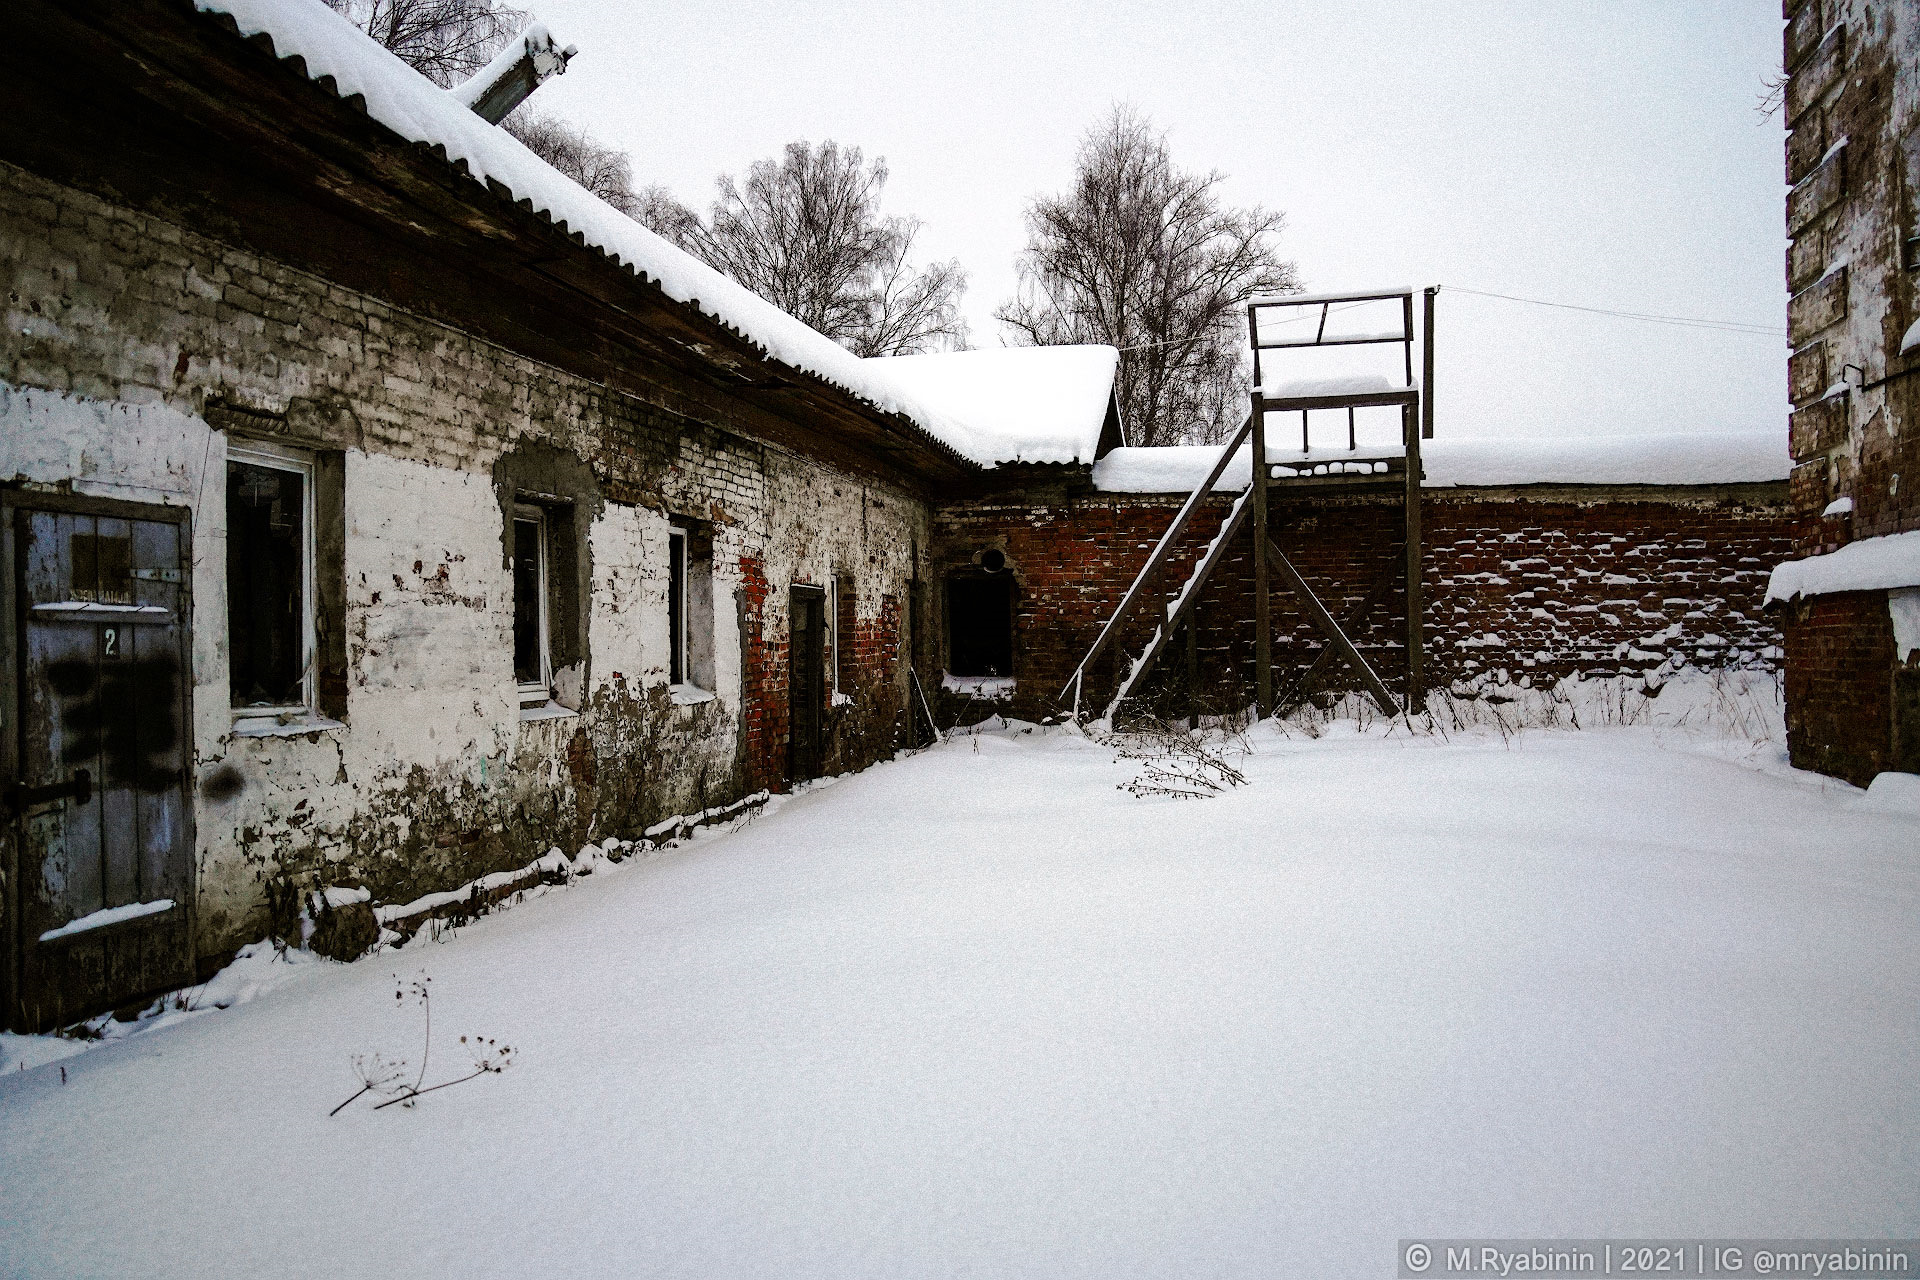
(1145, 256)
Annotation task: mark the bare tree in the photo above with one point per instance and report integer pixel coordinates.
(655, 209)
(805, 232)
(605, 171)
(1141, 255)
(444, 40)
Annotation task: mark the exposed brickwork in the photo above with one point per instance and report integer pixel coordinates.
(763, 716)
(1840, 685)
(1527, 591)
(1853, 159)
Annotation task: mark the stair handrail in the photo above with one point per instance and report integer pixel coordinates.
(1154, 561)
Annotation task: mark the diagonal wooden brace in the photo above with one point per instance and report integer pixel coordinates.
(1190, 599)
(1324, 620)
(1299, 688)
(1162, 551)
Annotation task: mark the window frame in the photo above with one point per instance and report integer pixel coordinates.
(679, 666)
(277, 457)
(533, 694)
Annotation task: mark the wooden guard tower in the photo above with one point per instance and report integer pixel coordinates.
(1310, 468)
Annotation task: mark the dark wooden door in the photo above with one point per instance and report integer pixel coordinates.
(806, 681)
(102, 839)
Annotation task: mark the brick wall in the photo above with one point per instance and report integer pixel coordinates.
(1853, 272)
(1852, 163)
(1527, 591)
(1840, 662)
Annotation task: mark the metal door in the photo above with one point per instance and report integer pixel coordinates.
(101, 875)
(806, 680)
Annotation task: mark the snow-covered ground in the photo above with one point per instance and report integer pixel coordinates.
(983, 1012)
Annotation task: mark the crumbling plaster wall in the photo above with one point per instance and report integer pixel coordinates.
(1852, 108)
(128, 338)
(1853, 269)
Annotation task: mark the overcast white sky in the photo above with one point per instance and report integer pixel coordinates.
(1605, 154)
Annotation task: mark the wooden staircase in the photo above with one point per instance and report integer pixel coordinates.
(1401, 470)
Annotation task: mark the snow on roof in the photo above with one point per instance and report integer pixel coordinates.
(418, 110)
(1026, 404)
(1871, 564)
(1341, 295)
(1651, 460)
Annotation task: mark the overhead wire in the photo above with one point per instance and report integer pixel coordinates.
(1645, 317)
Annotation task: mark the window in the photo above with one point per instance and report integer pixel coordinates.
(532, 652)
(980, 625)
(677, 606)
(270, 579)
(690, 606)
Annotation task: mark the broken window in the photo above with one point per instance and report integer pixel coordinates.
(690, 605)
(980, 625)
(270, 553)
(532, 655)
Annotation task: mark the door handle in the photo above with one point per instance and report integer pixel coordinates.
(78, 788)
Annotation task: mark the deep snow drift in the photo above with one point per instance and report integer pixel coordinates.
(981, 1012)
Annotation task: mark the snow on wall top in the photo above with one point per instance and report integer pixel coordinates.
(1676, 459)
(1346, 384)
(1026, 404)
(1703, 458)
(1871, 564)
(420, 111)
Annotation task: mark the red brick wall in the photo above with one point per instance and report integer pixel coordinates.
(1840, 672)
(1564, 587)
(763, 713)
(859, 731)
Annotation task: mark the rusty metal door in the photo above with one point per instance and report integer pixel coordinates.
(806, 681)
(101, 878)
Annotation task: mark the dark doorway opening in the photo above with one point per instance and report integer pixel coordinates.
(980, 626)
(806, 681)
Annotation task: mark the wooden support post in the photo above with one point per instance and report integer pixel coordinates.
(1262, 601)
(1193, 672)
(1410, 429)
(1426, 370)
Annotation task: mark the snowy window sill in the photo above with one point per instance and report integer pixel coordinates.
(979, 686)
(689, 695)
(246, 726)
(548, 710)
(109, 916)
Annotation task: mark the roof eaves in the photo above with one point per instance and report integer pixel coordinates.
(499, 190)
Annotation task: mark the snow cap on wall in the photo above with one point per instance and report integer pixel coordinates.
(1666, 459)
(415, 108)
(1871, 564)
(1025, 404)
